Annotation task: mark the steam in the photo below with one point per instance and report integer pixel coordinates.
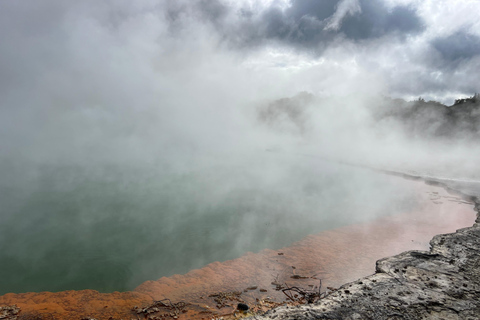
(344, 8)
(126, 127)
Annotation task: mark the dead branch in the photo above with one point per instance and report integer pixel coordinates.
(296, 294)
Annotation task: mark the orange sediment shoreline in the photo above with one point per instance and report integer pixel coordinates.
(335, 256)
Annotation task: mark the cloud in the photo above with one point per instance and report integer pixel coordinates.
(313, 25)
(417, 47)
(344, 8)
(401, 41)
(458, 46)
(377, 20)
(212, 11)
(436, 68)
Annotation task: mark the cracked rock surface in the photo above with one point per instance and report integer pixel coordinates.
(443, 283)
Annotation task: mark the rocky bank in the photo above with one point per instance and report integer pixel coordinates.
(442, 283)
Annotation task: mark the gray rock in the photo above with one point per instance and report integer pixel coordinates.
(443, 283)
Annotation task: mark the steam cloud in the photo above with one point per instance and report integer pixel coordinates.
(131, 122)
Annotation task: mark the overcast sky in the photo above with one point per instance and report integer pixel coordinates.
(413, 47)
(100, 77)
(416, 48)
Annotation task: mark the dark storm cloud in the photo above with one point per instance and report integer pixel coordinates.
(458, 46)
(293, 28)
(318, 9)
(305, 24)
(376, 21)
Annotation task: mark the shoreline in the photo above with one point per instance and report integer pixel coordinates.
(251, 275)
(441, 283)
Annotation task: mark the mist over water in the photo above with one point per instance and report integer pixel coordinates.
(137, 142)
(110, 228)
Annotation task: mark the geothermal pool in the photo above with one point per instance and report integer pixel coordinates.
(335, 256)
(112, 227)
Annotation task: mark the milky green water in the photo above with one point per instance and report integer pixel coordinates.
(111, 227)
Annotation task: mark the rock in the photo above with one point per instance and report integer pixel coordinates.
(242, 307)
(9, 312)
(443, 283)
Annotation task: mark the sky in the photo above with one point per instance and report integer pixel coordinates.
(89, 80)
(415, 48)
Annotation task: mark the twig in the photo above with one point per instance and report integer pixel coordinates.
(319, 288)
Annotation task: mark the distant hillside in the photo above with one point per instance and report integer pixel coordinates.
(304, 113)
(433, 119)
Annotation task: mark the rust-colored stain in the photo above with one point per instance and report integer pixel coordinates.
(76, 304)
(336, 256)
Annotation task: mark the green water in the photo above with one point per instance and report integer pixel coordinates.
(111, 227)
